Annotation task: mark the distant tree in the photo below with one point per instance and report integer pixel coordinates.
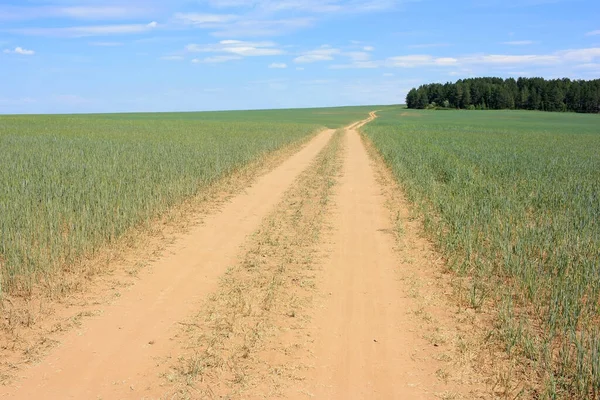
(411, 98)
(522, 93)
(573, 97)
(556, 99)
(535, 100)
(523, 98)
(465, 101)
(422, 99)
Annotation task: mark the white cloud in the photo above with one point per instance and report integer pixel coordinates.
(323, 53)
(310, 6)
(519, 42)
(91, 30)
(445, 61)
(208, 20)
(581, 55)
(593, 33)
(215, 59)
(237, 47)
(595, 66)
(357, 65)
(505, 59)
(233, 25)
(299, 68)
(96, 12)
(21, 51)
(255, 18)
(20, 13)
(248, 27)
(278, 66)
(358, 55)
(586, 56)
(412, 61)
(368, 48)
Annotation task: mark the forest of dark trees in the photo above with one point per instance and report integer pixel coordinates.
(497, 94)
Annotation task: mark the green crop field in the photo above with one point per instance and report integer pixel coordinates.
(512, 198)
(72, 183)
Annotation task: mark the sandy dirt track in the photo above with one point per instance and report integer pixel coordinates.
(116, 355)
(364, 341)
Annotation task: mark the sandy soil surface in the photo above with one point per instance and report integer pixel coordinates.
(366, 342)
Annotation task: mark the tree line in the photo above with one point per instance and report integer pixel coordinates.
(498, 94)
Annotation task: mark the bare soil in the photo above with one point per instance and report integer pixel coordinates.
(367, 338)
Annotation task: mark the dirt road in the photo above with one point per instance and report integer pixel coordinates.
(285, 322)
(365, 343)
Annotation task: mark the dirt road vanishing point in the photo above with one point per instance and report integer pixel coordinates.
(354, 337)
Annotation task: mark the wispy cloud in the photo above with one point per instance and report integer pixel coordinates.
(310, 6)
(238, 48)
(593, 33)
(215, 59)
(412, 61)
(107, 12)
(358, 55)
(85, 31)
(278, 66)
(323, 53)
(204, 20)
(572, 57)
(20, 51)
(110, 12)
(519, 42)
(233, 25)
(251, 18)
(506, 59)
(580, 55)
(248, 27)
(358, 58)
(594, 66)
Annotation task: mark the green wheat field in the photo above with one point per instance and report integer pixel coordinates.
(511, 199)
(72, 183)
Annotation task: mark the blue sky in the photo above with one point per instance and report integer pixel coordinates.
(62, 56)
